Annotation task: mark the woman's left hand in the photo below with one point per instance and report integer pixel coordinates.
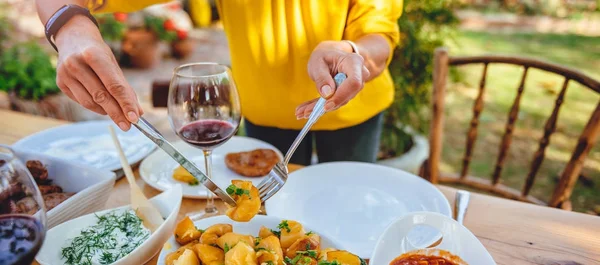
(326, 60)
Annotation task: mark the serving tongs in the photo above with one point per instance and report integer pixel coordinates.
(279, 174)
(147, 129)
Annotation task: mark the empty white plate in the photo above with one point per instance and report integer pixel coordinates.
(89, 143)
(157, 168)
(355, 202)
(457, 240)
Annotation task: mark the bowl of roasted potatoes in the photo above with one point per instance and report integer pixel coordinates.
(264, 240)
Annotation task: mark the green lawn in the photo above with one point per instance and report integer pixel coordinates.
(538, 100)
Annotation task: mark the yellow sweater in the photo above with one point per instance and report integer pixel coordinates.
(270, 42)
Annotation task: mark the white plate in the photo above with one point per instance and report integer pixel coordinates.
(248, 228)
(457, 239)
(89, 143)
(167, 203)
(157, 168)
(355, 201)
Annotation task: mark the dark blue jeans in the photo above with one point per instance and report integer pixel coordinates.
(356, 143)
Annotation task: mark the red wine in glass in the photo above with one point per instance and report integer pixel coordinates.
(207, 134)
(21, 237)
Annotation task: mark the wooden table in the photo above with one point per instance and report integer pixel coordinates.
(513, 232)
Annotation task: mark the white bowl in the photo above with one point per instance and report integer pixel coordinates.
(91, 186)
(248, 228)
(168, 204)
(456, 239)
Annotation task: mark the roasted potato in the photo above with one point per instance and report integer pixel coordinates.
(291, 231)
(229, 240)
(247, 199)
(269, 249)
(241, 254)
(265, 232)
(344, 257)
(212, 233)
(209, 255)
(188, 257)
(309, 245)
(181, 174)
(186, 232)
(176, 254)
(304, 260)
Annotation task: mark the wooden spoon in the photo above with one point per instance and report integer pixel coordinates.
(151, 217)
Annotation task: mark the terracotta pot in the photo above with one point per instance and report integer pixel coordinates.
(141, 48)
(181, 49)
(4, 100)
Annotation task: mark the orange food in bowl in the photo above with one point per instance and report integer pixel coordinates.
(432, 257)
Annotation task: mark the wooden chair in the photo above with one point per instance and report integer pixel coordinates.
(569, 176)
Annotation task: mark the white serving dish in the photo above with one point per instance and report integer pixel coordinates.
(248, 228)
(89, 143)
(91, 186)
(157, 168)
(456, 239)
(356, 201)
(168, 204)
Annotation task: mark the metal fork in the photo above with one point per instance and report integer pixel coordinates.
(279, 174)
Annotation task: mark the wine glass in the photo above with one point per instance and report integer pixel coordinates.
(204, 110)
(22, 211)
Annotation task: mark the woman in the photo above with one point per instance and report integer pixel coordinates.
(272, 43)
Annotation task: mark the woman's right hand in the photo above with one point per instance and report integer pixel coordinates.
(88, 73)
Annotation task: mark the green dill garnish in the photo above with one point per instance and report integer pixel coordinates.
(112, 237)
(270, 263)
(309, 233)
(284, 225)
(201, 230)
(263, 249)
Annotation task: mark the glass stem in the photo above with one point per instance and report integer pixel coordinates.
(210, 201)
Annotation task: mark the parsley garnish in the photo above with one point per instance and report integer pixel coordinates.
(194, 182)
(325, 262)
(257, 241)
(276, 233)
(284, 225)
(310, 253)
(309, 233)
(270, 263)
(234, 190)
(226, 248)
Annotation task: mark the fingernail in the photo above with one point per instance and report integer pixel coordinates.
(132, 116)
(306, 115)
(123, 126)
(329, 106)
(326, 91)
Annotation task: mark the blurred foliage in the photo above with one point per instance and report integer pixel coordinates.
(575, 9)
(157, 25)
(424, 26)
(27, 70)
(5, 26)
(110, 28)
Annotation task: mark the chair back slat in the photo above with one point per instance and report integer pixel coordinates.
(569, 176)
(472, 134)
(549, 128)
(510, 125)
(440, 75)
